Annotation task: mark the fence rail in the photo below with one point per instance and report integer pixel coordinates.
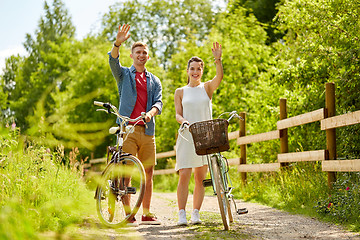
(341, 165)
(301, 119)
(328, 122)
(318, 155)
(258, 137)
(340, 121)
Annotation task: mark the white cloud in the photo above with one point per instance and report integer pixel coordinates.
(12, 50)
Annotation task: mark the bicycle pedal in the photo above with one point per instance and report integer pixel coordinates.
(241, 211)
(207, 182)
(131, 190)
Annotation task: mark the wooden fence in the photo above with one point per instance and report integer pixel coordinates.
(328, 122)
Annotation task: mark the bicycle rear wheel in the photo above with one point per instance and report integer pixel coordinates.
(220, 192)
(120, 191)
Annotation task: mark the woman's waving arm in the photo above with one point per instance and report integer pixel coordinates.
(212, 85)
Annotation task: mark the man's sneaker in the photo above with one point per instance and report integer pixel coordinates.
(182, 218)
(149, 219)
(195, 217)
(132, 223)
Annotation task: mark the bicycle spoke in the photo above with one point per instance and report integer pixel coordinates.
(121, 191)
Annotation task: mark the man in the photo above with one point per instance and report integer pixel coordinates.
(139, 91)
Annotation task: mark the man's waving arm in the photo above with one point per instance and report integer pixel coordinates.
(122, 36)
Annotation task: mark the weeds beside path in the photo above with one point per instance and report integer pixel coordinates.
(261, 222)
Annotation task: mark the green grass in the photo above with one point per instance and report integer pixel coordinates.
(37, 192)
(213, 228)
(41, 196)
(302, 188)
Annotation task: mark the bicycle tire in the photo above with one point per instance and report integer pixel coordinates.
(225, 178)
(220, 192)
(112, 191)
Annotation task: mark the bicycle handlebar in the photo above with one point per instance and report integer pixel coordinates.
(115, 111)
(232, 114)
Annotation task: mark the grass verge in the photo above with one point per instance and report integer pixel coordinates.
(37, 193)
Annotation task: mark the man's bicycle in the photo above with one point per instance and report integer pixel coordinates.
(121, 187)
(210, 139)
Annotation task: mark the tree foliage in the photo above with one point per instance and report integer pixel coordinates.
(161, 24)
(264, 11)
(26, 79)
(320, 45)
(50, 92)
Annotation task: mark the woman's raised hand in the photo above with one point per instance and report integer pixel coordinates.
(216, 50)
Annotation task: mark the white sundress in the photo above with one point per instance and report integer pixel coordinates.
(196, 107)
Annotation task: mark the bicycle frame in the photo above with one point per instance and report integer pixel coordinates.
(123, 128)
(224, 173)
(114, 192)
(220, 178)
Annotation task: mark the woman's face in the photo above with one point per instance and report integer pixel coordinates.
(195, 71)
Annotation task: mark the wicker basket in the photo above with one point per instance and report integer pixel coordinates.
(210, 136)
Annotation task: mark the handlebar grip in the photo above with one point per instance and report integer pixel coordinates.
(184, 125)
(101, 104)
(143, 119)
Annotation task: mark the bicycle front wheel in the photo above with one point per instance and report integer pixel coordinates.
(120, 191)
(220, 192)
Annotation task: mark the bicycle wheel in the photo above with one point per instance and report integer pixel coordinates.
(120, 191)
(220, 192)
(225, 177)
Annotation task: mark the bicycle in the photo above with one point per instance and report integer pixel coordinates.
(211, 138)
(121, 187)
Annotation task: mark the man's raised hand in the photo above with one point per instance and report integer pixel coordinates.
(123, 34)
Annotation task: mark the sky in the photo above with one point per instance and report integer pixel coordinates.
(19, 17)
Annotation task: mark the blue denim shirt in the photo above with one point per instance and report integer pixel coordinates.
(125, 79)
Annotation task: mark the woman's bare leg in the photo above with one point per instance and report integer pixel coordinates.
(183, 187)
(199, 190)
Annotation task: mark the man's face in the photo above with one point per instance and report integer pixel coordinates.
(140, 55)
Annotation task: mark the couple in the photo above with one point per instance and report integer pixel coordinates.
(140, 91)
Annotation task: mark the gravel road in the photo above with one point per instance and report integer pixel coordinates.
(261, 222)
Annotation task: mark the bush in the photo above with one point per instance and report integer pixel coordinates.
(343, 203)
(37, 193)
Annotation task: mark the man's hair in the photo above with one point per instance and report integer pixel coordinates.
(196, 59)
(138, 44)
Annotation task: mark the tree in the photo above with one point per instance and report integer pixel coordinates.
(26, 83)
(265, 12)
(245, 58)
(322, 45)
(7, 82)
(161, 24)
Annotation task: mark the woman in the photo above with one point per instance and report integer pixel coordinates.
(193, 104)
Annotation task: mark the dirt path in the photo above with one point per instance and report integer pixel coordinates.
(260, 223)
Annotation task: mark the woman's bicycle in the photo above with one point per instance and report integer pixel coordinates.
(121, 186)
(210, 139)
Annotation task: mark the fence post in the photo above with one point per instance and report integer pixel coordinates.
(242, 132)
(284, 146)
(330, 133)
